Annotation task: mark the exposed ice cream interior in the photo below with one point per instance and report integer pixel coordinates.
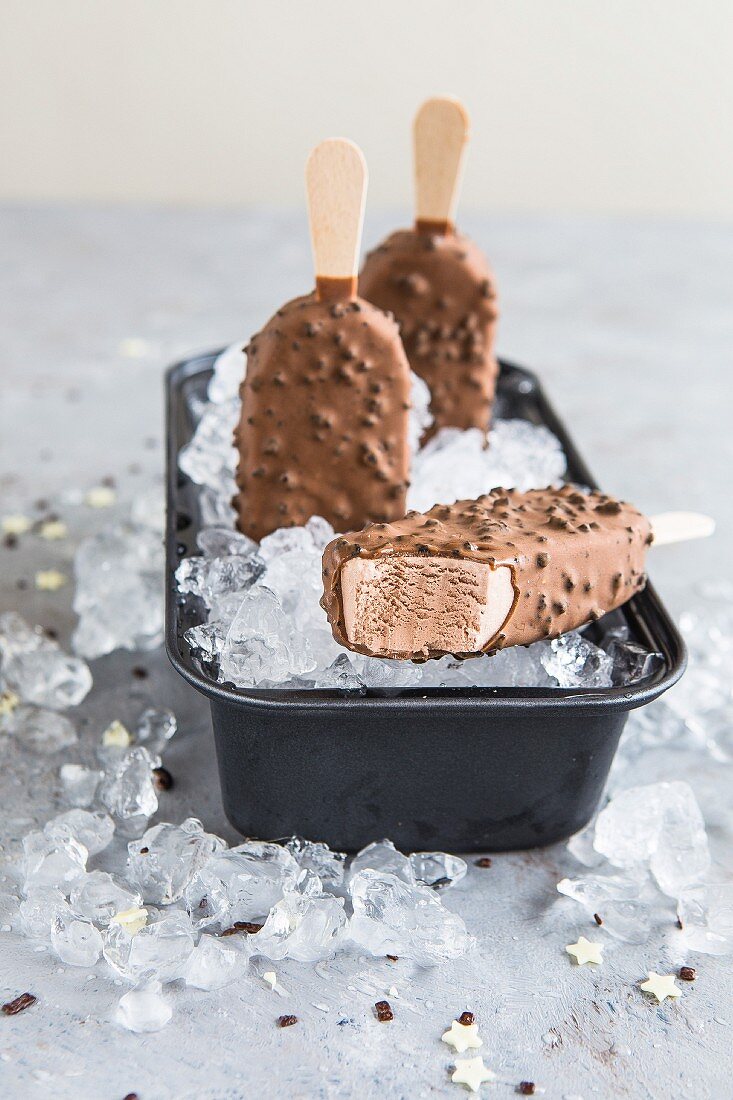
(407, 605)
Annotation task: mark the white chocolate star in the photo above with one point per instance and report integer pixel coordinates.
(8, 702)
(660, 986)
(462, 1037)
(270, 977)
(585, 952)
(15, 525)
(50, 580)
(100, 497)
(116, 735)
(132, 920)
(472, 1072)
(53, 529)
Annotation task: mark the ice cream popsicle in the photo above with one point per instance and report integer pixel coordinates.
(478, 576)
(437, 282)
(324, 423)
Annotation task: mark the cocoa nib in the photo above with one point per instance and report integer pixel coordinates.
(466, 1018)
(687, 973)
(485, 861)
(242, 926)
(162, 779)
(25, 1000)
(286, 1021)
(526, 1088)
(384, 1011)
(598, 918)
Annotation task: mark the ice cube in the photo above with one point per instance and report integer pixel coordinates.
(319, 858)
(47, 677)
(79, 784)
(437, 869)
(339, 675)
(660, 825)
(241, 884)
(155, 727)
(143, 1010)
(377, 672)
(39, 909)
(208, 639)
(214, 579)
(382, 855)
(76, 942)
(420, 416)
(128, 792)
(44, 731)
(223, 542)
(261, 644)
(577, 663)
(320, 531)
(56, 860)
(230, 368)
(213, 963)
(210, 458)
(304, 928)
(161, 948)
(167, 857)
(631, 661)
(621, 902)
(18, 637)
(215, 509)
(581, 846)
(93, 830)
(98, 896)
(392, 917)
(706, 915)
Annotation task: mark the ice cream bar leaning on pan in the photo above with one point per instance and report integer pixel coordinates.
(437, 282)
(325, 403)
(479, 575)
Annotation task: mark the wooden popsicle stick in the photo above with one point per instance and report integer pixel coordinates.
(671, 527)
(440, 133)
(336, 183)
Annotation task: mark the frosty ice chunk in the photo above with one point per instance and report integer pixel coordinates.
(210, 458)
(619, 900)
(167, 857)
(56, 860)
(76, 942)
(213, 963)
(128, 792)
(98, 896)
(155, 727)
(706, 915)
(79, 784)
(212, 579)
(303, 928)
(161, 948)
(92, 829)
(391, 917)
(262, 644)
(573, 661)
(319, 858)
(44, 731)
(382, 855)
(241, 884)
(437, 869)
(38, 910)
(144, 1010)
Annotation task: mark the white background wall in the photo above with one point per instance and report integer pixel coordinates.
(582, 105)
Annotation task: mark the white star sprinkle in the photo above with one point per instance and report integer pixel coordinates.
(50, 580)
(462, 1037)
(53, 529)
(585, 952)
(472, 1072)
(132, 920)
(116, 735)
(270, 977)
(15, 525)
(660, 986)
(100, 497)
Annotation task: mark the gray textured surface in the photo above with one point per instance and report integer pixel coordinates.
(630, 327)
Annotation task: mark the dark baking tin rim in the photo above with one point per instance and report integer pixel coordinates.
(647, 613)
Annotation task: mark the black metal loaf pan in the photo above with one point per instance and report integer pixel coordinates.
(462, 769)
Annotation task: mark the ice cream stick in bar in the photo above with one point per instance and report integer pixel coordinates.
(480, 575)
(437, 282)
(325, 402)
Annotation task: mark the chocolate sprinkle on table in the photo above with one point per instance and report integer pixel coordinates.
(140, 673)
(526, 1088)
(384, 1011)
(597, 918)
(162, 779)
(286, 1021)
(485, 861)
(466, 1018)
(393, 958)
(242, 926)
(687, 973)
(25, 1000)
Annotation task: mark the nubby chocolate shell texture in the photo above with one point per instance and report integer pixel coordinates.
(439, 287)
(477, 576)
(324, 423)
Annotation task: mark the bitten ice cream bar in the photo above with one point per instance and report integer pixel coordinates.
(325, 403)
(479, 575)
(437, 282)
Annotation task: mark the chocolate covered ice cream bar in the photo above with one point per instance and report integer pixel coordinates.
(477, 576)
(325, 402)
(437, 282)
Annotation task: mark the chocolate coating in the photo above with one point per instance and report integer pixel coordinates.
(573, 556)
(324, 424)
(441, 291)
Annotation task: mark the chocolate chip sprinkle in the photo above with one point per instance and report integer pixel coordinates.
(687, 973)
(526, 1088)
(250, 927)
(286, 1021)
(466, 1018)
(383, 1010)
(25, 1000)
(597, 918)
(484, 861)
(162, 779)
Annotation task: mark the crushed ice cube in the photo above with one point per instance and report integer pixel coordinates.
(56, 860)
(161, 948)
(577, 663)
(229, 370)
(98, 896)
(437, 869)
(210, 458)
(619, 900)
(44, 731)
(79, 784)
(319, 858)
(382, 855)
(213, 963)
(155, 727)
(119, 591)
(76, 942)
(262, 643)
(128, 791)
(208, 639)
(241, 884)
(42, 674)
(705, 912)
(94, 830)
(144, 1010)
(392, 917)
(421, 417)
(167, 857)
(39, 909)
(631, 661)
(304, 928)
(223, 542)
(214, 579)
